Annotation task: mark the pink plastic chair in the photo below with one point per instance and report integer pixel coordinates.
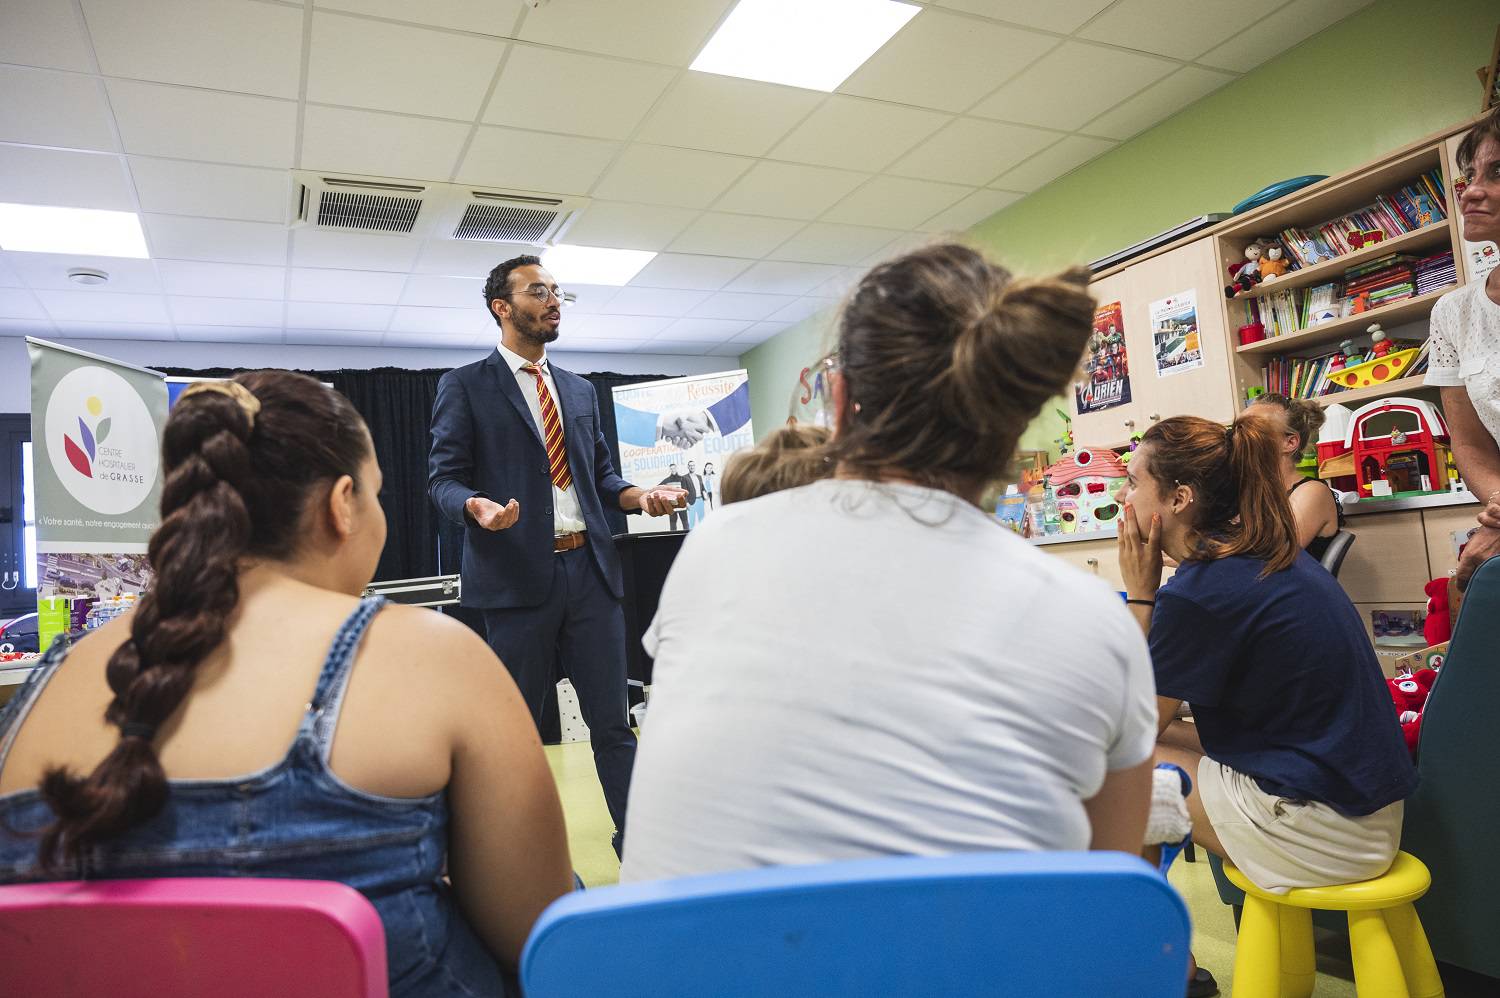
(183, 938)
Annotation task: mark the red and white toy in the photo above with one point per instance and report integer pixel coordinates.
(1409, 694)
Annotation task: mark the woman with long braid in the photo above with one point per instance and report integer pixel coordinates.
(255, 717)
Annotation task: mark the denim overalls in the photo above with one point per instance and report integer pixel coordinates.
(293, 819)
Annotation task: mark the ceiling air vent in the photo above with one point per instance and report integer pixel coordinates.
(363, 205)
(513, 217)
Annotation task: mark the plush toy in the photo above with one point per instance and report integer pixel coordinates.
(1246, 275)
(1272, 265)
(1409, 694)
(1439, 625)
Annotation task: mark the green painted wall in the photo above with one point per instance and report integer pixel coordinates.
(1386, 76)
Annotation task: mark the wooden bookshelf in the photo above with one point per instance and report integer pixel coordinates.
(1434, 237)
(1409, 310)
(1356, 397)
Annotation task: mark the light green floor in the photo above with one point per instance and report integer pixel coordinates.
(589, 829)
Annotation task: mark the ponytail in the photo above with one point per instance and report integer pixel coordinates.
(237, 482)
(1235, 475)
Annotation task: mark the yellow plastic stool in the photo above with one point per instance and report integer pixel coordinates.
(1274, 956)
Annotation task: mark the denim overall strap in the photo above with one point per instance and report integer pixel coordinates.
(334, 679)
(14, 712)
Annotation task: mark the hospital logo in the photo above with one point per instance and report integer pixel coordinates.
(82, 457)
(101, 440)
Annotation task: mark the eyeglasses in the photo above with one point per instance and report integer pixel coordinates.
(541, 293)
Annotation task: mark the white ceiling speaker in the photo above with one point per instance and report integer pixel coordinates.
(435, 211)
(88, 277)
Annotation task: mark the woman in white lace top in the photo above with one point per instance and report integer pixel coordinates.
(1466, 343)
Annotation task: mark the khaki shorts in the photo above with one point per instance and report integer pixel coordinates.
(1280, 844)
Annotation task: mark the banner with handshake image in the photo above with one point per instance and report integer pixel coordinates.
(680, 432)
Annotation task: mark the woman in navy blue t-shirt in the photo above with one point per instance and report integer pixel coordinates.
(1300, 766)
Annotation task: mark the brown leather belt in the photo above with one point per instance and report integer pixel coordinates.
(567, 542)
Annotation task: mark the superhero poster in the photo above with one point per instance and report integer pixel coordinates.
(1106, 369)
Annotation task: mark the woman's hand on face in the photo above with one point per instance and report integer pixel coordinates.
(1140, 557)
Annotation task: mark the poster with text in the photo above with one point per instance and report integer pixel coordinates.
(680, 432)
(96, 429)
(1106, 368)
(1174, 334)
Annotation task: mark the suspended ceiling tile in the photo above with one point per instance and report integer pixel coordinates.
(44, 33)
(411, 319)
(822, 242)
(582, 95)
(972, 151)
(181, 237)
(237, 45)
(392, 67)
(467, 257)
(535, 161)
(34, 175)
(204, 124)
(312, 247)
(895, 203)
(649, 30)
(1157, 102)
(1071, 84)
(695, 329)
(697, 273)
(380, 144)
(802, 308)
(442, 292)
(726, 235)
(46, 108)
(686, 178)
(1062, 16)
(960, 59)
(618, 225)
(789, 279)
(50, 271)
(21, 303)
(655, 301)
(738, 305)
(226, 311)
(211, 190)
(857, 134)
(95, 306)
(970, 211)
(336, 337)
(1183, 29)
(231, 334)
(725, 114)
(337, 315)
(1053, 162)
(228, 280)
(372, 287)
(1278, 31)
(614, 326)
(488, 17)
(789, 190)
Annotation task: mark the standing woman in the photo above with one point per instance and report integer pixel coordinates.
(1465, 343)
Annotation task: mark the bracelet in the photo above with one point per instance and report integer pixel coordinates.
(1141, 602)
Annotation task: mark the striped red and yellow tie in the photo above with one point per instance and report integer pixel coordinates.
(552, 433)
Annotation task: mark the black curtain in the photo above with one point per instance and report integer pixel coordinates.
(397, 406)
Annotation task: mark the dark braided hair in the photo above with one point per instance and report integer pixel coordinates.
(236, 486)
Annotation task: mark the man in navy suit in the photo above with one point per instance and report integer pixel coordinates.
(519, 460)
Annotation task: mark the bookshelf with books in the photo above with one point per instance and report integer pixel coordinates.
(1378, 244)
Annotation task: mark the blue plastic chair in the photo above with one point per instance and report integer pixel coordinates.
(1055, 924)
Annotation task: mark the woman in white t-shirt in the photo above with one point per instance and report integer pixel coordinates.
(871, 665)
(1465, 352)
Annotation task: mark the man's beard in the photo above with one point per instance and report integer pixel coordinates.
(535, 331)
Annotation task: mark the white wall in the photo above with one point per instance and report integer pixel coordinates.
(15, 368)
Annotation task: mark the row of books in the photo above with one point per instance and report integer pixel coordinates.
(1307, 377)
(1410, 207)
(1382, 281)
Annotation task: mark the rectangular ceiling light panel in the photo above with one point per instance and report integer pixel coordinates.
(36, 228)
(813, 44)
(594, 265)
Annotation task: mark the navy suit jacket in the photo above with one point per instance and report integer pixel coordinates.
(485, 443)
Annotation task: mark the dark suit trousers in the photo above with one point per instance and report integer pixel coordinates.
(582, 626)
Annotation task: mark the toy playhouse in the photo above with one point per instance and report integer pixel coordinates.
(1387, 447)
(1083, 485)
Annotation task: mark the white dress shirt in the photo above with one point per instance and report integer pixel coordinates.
(567, 516)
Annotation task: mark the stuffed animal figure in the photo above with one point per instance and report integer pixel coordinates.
(1439, 624)
(1246, 275)
(1272, 265)
(1409, 694)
